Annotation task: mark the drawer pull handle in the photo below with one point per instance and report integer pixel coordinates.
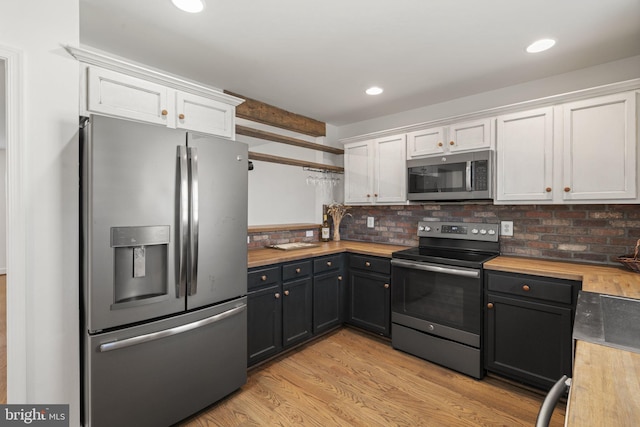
(490, 305)
(386, 286)
(567, 189)
(452, 143)
(298, 270)
(340, 278)
(263, 278)
(286, 293)
(526, 288)
(329, 263)
(277, 295)
(439, 144)
(164, 112)
(548, 189)
(367, 264)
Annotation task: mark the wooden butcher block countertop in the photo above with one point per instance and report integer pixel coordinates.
(605, 389)
(267, 256)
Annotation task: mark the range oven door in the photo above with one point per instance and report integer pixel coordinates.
(440, 300)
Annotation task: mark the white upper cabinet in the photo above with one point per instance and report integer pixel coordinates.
(525, 156)
(206, 115)
(458, 137)
(599, 149)
(116, 94)
(375, 171)
(578, 152)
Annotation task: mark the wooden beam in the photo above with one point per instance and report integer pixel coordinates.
(260, 112)
(255, 133)
(293, 162)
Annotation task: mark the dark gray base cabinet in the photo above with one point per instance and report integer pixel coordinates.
(529, 321)
(289, 303)
(370, 294)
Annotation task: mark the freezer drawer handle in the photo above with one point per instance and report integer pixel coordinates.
(117, 345)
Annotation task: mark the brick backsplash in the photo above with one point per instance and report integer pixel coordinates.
(588, 233)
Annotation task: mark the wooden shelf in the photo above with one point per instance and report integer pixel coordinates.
(293, 162)
(282, 227)
(260, 134)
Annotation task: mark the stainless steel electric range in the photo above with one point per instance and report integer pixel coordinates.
(437, 291)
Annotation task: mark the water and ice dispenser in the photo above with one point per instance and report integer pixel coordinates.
(140, 264)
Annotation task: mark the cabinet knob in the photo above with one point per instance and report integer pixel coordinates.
(386, 286)
(567, 189)
(526, 288)
(181, 116)
(452, 143)
(277, 295)
(298, 270)
(490, 305)
(164, 112)
(329, 263)
(263, 278)
(367, 264)
(375, 195)
(440, 144)
(340, 278)
(286, 293)
(548, 189)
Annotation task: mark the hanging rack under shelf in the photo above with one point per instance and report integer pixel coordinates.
(294, 162)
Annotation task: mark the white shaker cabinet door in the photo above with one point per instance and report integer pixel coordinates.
(469, 136)
(524, 168)
(205, 115)
(425, 142)
(599, 149)
(358, 172)
(119, 95)
(390, 170)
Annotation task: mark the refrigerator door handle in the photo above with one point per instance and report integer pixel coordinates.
(183, 221)
(140, 339)
(195, 222)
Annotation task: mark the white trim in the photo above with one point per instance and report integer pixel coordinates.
(130, 68)
(16, 229)
(578, 95)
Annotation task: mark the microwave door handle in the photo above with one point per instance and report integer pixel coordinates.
(468, 176)
(194, 221)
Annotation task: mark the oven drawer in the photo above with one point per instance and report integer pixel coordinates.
(296, 270)
(549, 289)
(263, 277)
(370, 263)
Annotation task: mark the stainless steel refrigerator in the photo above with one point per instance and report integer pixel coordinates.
(164, 271)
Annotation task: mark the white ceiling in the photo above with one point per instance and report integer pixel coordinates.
(316, 58)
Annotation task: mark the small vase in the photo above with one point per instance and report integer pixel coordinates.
(336, 232)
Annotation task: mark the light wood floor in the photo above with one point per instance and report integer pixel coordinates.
(352, 379)
(3, 338)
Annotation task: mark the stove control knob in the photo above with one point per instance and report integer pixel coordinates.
(427, 228)
(492, 232)
(483, 231)
(474, 231)
(421, 228)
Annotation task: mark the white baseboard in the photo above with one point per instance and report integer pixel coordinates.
(3, 271)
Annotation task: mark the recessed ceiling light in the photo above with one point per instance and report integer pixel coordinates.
(191, 6)
(540, 45)
(375, 90)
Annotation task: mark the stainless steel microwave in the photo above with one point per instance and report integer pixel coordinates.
(461, 176)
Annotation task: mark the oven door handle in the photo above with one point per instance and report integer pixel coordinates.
(436, 268)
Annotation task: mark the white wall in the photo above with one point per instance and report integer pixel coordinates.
(279, 194)
(612, 72)
(3, 114)
(3, 209)
(43, 362)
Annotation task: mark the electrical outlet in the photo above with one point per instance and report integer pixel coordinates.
(248, 240)
(309, 233)
(506, 228)
(370, 222)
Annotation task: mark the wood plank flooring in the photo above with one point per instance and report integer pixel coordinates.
(353, 379)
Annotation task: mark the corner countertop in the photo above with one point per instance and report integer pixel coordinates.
(267, 256)
(606, 381)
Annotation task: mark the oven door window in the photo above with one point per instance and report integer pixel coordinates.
(438, 178)
(446, 299)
